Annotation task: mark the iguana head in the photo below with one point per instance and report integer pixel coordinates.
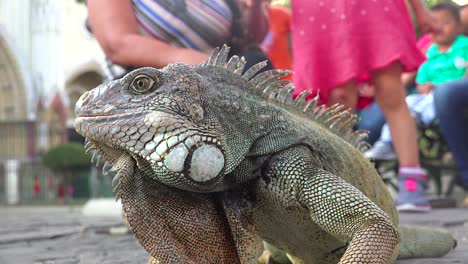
(181, 123)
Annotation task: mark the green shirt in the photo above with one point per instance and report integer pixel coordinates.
(446, 66)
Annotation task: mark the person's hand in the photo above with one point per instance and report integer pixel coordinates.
(425, 88)
(425, 22)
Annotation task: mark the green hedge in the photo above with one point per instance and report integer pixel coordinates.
(68, 156)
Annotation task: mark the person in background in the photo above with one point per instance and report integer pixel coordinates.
(50, 187)
(451, 105)
(61, 191)
(277, 42)
(37, 188)
(155, 33)
(338, 44)
(447, 61)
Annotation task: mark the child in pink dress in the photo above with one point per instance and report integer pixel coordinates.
(338, 44)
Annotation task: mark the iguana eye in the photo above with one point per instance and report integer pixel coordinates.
(142, 83)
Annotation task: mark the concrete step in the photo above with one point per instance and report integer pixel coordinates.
(103, 207)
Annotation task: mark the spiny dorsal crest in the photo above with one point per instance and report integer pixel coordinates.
(269, 85)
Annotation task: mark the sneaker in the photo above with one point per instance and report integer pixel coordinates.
(412, 195)
(381, 151)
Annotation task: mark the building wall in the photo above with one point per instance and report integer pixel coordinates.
(43, 45)
(80, 47)
(49, 41)
(36, 29)
(16, 131)
(13, 95)
(45, 53)
(15, 18)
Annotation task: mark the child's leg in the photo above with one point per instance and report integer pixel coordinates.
(346, 94)
(415, 104)
(390, 96)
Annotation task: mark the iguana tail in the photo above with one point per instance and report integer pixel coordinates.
(424, 242)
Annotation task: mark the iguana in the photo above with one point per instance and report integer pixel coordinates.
(211, 160)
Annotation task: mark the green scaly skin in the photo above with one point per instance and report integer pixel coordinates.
(209, 162)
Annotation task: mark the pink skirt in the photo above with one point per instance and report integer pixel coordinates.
(338, 41)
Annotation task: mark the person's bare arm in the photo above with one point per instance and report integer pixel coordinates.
(417, 5)
(115, 27)
(423, 18)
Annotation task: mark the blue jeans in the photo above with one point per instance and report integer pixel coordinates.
(372, 119)
(451, 103)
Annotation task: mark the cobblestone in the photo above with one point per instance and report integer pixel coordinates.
(62, 235)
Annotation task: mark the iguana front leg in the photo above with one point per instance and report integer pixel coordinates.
(334, 205)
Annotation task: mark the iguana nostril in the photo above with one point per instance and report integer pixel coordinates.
(85, 97)
(206, 164)
(83, 100)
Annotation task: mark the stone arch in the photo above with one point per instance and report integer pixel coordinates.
(81, 79)
(17, 104)
(15, 85)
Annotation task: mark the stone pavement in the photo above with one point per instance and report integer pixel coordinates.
(62, 235)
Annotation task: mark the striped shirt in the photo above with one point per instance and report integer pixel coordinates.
(196, 24)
